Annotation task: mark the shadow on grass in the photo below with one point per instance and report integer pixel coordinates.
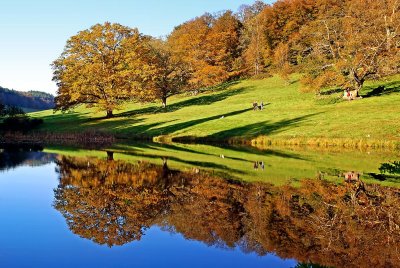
(79, 122)
(67, 117)
(133, 126)
(178, 148)
(252, 130)
(142, 146)
(331, 92)
(166, 130)
(67, 121)
(201, 100)
(384, 89)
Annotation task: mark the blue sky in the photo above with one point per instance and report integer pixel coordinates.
(33, 32)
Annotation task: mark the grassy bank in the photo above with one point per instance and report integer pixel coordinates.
(225, 114)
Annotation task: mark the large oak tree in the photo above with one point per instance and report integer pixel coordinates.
(352, 41)
(100, 67)
(166, 73)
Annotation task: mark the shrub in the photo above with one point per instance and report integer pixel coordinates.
(20, 123)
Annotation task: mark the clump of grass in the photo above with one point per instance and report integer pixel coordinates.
(264, 141)
(329, 100)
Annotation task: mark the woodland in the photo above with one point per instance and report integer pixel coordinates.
(336, 44)
(29, 101)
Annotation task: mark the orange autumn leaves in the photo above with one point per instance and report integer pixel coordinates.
(338, 224)
(332, 43)
(110, 64)
(99, 67)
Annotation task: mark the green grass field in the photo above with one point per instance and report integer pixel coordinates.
(225, 113)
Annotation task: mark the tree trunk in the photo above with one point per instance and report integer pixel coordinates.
(110, 156)
(165, 174)
(164, 102)
(110, 113)
(359, 83)
(359, 86)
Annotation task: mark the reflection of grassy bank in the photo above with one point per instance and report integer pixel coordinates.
(281, 165)
(289, 116)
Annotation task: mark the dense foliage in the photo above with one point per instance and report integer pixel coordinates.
(333, 43)
(100, 67)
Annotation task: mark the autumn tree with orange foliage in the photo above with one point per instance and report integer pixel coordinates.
(209, 45)
(350, 42)
(281, 61)
(253, 39)
(100, 67)
(273, 26)
(333, 43)
(166, 73)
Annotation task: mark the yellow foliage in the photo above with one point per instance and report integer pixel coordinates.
(100, 67)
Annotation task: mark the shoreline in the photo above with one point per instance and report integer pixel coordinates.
(261, 142)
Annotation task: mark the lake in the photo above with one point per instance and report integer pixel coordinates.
(193, 205)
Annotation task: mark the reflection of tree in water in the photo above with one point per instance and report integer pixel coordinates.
(109, 202)
(113, 202)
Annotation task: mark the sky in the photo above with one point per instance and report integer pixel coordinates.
(33, 32)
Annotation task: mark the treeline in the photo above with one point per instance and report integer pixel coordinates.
(13, 156)
(33, 100)
(334, 43)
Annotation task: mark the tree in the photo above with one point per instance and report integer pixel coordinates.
(252, 38)
(100, 67)
(281, 61)
(188, 41)
(167, 73)
(210, 46)
(352, 41)
(13, 111)
(269, 26)
(223, 45)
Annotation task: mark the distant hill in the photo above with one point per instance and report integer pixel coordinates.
(29, 101)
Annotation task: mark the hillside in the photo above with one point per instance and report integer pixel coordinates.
(226, 113)
(29, 101)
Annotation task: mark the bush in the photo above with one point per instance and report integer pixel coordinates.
(21, 123)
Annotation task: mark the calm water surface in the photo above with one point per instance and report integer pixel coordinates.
(198, 206)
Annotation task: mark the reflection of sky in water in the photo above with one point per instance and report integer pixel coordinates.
(34, 234)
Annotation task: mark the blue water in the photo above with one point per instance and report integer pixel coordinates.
(34, 234)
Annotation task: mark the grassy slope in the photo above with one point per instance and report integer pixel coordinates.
(281, 166)
(288, 114)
